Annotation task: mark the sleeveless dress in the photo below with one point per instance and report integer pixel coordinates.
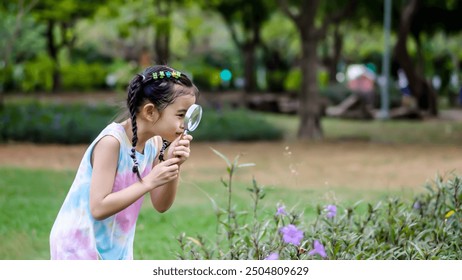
(75, 233)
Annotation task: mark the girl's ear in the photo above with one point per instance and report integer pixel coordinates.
(150, 112)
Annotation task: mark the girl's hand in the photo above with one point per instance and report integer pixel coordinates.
(180, 148)
(163, 173)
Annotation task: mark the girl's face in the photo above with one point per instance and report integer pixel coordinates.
(170, 124)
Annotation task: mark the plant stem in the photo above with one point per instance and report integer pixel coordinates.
(230, 228)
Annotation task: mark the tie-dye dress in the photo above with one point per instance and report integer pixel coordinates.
(75, 233)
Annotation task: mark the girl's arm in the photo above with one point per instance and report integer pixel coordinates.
(104, 202)
(163, 197)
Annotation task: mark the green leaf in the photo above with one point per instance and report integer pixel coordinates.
(246, 165)
(228, 163)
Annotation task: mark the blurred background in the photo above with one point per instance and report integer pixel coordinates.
(333, 100)
(400, 59)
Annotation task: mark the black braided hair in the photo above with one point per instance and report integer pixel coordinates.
(165, 145)
(133, 89)
(159, 91)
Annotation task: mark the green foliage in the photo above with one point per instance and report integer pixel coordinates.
(275, 80)
(122, 73)
(293, 81)
(84, 76)
(37, 74)
(278, 24)
(6, 78)
(334, 93)
(426, 228)
(206, 77)
(79, 123)
(53, 123)
(235, 125)
(22, 36)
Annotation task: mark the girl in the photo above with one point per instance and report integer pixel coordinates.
(126, 161)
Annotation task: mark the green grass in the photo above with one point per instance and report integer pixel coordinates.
(396, 131)
(30, 200)
(380, 131)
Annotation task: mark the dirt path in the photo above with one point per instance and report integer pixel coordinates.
(291, 164)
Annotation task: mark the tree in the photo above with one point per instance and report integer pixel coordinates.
(418, 20)
(136, 18)
(280, 46)
(60, 18)
(419, 86)
(244, 20)
(310, 34)
(163, 30)
(10, 35)
(163, 26)
(417, 17)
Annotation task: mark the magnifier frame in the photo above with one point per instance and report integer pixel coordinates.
(193, 113)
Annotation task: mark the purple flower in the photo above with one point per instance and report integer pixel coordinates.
(416, 205)
(318, 249)
(281, 211)
(331, 211)
(272, 257)
(292, 235)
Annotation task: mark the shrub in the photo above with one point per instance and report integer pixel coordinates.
(426, 228)
(53, 123)
(80, 123)
(36, 74)
(293, 81)
(206, 78)
(235, 125)
(84, 76)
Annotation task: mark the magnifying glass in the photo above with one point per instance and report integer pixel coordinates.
(192, 118)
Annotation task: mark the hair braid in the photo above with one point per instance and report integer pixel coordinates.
(134, 88)
(165, 145)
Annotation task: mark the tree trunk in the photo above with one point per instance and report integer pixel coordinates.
(53, 50)
(420, 88)
(332, 55)
(163, 26)
(249, 67)
(337, 50)
(162, 42)
(309, 109)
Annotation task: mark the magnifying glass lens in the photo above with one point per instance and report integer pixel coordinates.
(193, 117)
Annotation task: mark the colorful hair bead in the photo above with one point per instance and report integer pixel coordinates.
(166, 74)
(176, 74)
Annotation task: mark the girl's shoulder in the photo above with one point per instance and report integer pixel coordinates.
(116, 130)
(155, 145)
(157, 142)
(118, 137)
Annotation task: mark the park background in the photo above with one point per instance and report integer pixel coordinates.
(277, 92)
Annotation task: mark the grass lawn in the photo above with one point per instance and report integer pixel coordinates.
(382, 131)
(30, 200)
